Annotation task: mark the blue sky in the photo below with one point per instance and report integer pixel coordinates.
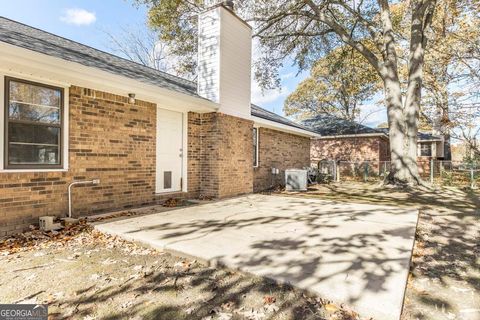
(87, 22)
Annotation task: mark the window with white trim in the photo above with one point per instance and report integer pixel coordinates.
(33, 125)
(255, 147)
(425, 149)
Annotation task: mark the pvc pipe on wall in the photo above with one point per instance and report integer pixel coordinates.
(94, 181)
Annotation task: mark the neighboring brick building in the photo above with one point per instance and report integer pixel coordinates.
(344, 140)
(354, 148)
(73, 113)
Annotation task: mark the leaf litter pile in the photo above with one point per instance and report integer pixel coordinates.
(84, 274)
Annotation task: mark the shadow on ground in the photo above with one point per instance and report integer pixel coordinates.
(351, 253)
(444, 282)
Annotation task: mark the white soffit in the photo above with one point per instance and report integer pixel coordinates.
(263, 123)
(18, 62)
(360, 135)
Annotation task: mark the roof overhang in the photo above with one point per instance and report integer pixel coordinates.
(431, 140)
(360, 135)
(20, 62)
(261, 122)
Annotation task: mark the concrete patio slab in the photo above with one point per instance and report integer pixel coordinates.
(350, 253)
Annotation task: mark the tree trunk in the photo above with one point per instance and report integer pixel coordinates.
(403, 170)
(421, 18)
(399, 171)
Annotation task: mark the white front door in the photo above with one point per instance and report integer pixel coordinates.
(169, 151)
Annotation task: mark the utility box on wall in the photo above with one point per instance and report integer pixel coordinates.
(296, 180)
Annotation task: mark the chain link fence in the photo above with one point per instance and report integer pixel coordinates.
(437, 172)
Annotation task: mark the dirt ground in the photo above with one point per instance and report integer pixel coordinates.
(444, 282)
(83, 274)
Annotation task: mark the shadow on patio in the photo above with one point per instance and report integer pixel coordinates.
(354, 253)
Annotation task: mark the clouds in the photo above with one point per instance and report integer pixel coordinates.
(267, 96)
(78, 17)
(372, 114)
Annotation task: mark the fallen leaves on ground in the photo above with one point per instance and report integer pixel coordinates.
(184, 265)
(269, 300)
(38, 239)
(172, 202)
(205, 197)
(126, 213)
(73, 236)
(341, 312)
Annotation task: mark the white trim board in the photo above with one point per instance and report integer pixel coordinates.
(263, 123)
(360, 135)
(257, 147)
(26, 63)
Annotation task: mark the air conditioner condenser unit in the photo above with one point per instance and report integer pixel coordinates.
(296, 180)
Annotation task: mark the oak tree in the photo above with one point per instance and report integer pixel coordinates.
(305, 30)
(338, 84)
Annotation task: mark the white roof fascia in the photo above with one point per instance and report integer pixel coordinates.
(18, 62)
(360, 135)
(431, 140)
(260, 122)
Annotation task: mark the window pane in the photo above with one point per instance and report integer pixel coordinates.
(27, 133)
(20, 111)
(32, 154)
(425, 149)
(29, 93)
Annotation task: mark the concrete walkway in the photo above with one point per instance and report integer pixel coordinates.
(350, 253)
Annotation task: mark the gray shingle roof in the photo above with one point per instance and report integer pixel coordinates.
(27, 37)
(21, 35)
(329, 125)
(268, 115)
(428, 137)
(421, 136)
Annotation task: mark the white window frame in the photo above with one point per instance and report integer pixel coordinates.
(65, 129)
(257, 130)
(420, 149)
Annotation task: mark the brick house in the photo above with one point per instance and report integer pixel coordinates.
(341, 139)
(74, 113)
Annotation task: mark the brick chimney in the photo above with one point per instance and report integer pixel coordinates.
(224, 59)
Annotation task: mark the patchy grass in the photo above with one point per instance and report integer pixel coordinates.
(84, 274)
(444, 281)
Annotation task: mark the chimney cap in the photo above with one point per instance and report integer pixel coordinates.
(210, 4)
(229, 4)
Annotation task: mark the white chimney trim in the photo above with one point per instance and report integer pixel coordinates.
(224, 60)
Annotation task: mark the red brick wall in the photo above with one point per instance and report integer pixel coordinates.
(350, 149)
(110, 139)
(194, 153)
(221, 155)
(282, 151)
(114, 141)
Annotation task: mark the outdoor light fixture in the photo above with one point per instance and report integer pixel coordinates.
(131, 98)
